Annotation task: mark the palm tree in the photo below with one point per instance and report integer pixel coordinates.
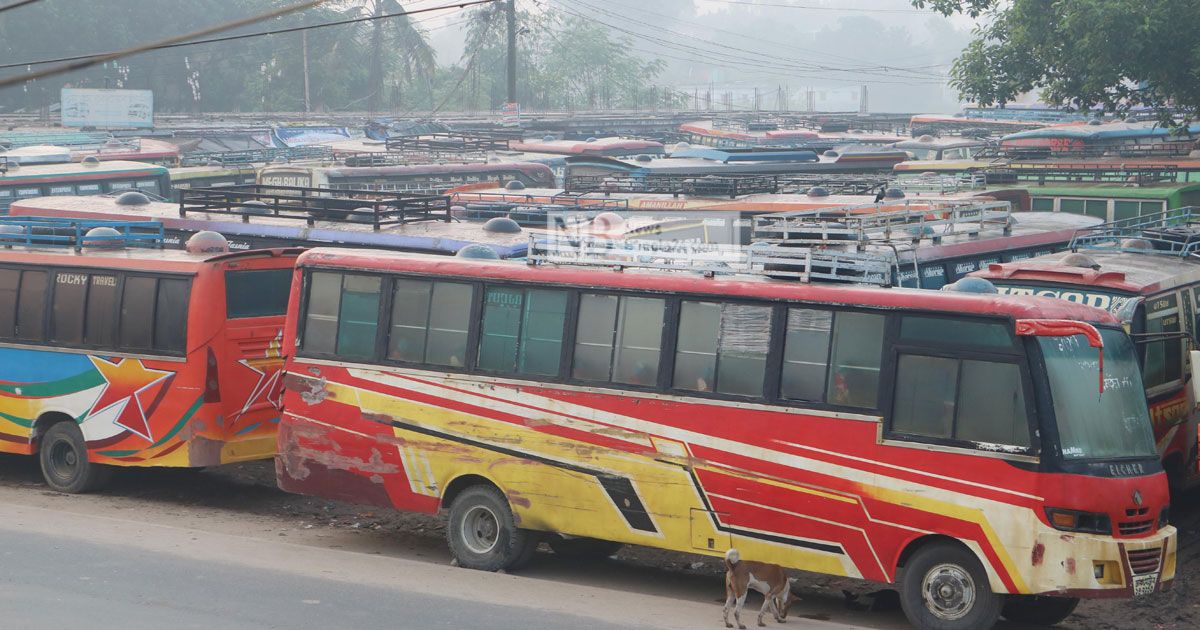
(394, 46)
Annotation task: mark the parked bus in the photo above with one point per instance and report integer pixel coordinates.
(212, 176)
(118, 355)
(967, 447)
(428, 178)
(1141, 269)
(24, 182)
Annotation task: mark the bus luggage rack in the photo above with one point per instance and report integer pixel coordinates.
(674, 184)
(59, 232)
(1154, 149)
(941, 184)
(363, 207)
(451, 142)
(405, 158)
(1173, 232)
(568, 199)
(1088, 172)
(259, 156)
(803, 264)
(883, 223)
(19, 139)
(834, 183)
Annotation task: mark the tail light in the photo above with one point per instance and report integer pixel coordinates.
(212, 383)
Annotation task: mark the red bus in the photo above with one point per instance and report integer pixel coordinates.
(1143, 271)
(118, 355)
(957, 444)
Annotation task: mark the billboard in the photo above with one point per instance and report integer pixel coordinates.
(107, 108)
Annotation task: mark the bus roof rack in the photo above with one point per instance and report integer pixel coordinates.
(886, 223)
(452, 141)
(408, 157)
(258, 156)
(1174, 232)
(1085, 172)
(570, 199)
(362, 207)
(803, 264)
(64, 232)
(673, 184)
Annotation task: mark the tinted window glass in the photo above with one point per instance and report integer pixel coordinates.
(137, 313)
(1163, 359)
(430, 321)
(1125, 209)
(857, 348)
(595, 331)
(992, 404)
(320, 319)
(1074, 206)
(410, 320)
(955, 331)
(806, 354)
(10, 280)
(542, 332)
(358, 317)
(925, 396)
(100, 321)
(66, 310)
(501, 327)
(639, 340)
(1096, 208)
(31, 306)
(257, 292)
(1043, 204)
(696, 349)
(170, 315)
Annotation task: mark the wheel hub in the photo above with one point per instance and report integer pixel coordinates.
(481, 530)
(949, 591)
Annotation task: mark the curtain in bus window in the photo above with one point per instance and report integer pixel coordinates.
(540, 349)
(101, 313)
(595, 332)
(31, 306)
(358, 316)
(991, 407)
(925, 396)
(170, 315)
(501, 327)
(410, 320)
(137, 314)
(639, 340)
(806, 354)
(696, 347)
(857, 349)
(66, 309)
(10, 280)
(742, 354)
(320, 319)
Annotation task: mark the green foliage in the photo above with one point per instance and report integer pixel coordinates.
(561, 64)
(1114, 53)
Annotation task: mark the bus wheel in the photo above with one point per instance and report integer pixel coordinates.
(483, 533)
(1038, 610)
(583, 548)
(64, 459)
(944, 587)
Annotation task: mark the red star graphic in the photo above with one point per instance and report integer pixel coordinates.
(131, 388)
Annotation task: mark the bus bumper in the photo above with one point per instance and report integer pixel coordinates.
(1085, 565)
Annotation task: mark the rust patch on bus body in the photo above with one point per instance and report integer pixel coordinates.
(203, 451)
(515, 498)
(329, 473)
(1070, 564)
(1039, 553)
(312, 390)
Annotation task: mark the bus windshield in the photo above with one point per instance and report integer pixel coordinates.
(1093, 425)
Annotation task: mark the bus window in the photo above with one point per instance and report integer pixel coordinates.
(170, 315)
(522, 330)
(148, 185)
(257, 292)
(1042, 204)
(955, 331)
(66, 189)
(31, 306)
(320, 318)
(1164, 360)
(722, 348)
(115, 186)
(618, 339)
(1125, 209)
(1151, 207)
(857, 348)
(66, 310)
(358, 316)
(137, 314)
(430, 322)
(25, 193)
(10, 280)
(806, 354)
(963, 400)
(89, 189)
(100, 320)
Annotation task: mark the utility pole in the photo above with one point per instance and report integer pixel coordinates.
(510, 9)
(304, 53)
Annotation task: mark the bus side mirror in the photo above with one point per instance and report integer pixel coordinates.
(1195, 357)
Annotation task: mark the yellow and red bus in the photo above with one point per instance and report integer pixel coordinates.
(117, 355)
(973, 448)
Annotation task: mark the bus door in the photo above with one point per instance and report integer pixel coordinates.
(1162, 349)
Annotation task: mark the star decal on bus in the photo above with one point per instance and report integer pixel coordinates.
(267, 387)
(128, 393)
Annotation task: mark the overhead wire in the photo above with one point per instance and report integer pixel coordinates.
(16, 5)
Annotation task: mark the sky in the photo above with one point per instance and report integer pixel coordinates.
(782, 47)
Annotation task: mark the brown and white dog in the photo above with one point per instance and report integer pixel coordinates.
(769, 579)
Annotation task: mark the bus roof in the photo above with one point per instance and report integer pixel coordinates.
(141, 258)
(1157, 190)
(1142, 274)
(106, 168)
(735, 286)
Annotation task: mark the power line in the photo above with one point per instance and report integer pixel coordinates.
(181, 41)
(803, 7)
(16, 5)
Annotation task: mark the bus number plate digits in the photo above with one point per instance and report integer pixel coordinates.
(1144, 584)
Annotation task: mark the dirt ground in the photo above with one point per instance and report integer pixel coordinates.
(244, 498)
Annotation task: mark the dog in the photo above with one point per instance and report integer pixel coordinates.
(769, 579)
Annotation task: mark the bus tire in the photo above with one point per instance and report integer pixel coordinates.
(944, 587)
(483, 532)
(1038, 610)
(64, 460)
(583, 548)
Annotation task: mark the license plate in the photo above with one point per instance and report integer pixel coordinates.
(1144, 584)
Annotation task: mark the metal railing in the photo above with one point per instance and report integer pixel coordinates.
(674, 184)
(258, 156)
(570, 199)
(362, 207)
(460, 142)
(74, 233)
(889, 223)
(407, 157)
(1174, 232)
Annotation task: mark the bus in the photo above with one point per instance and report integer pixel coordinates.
(212, 176)
(25, 182)
(968, 447)
(1142, 270)
(428, 178)
(115, 355)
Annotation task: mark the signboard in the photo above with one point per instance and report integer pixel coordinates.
(510, 114)
(1108, 301)
(107, 108)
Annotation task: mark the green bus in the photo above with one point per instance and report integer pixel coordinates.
(1111, 201)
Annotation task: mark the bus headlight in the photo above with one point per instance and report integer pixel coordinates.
(1080, 522)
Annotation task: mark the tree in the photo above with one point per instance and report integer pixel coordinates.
(1117, 54)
